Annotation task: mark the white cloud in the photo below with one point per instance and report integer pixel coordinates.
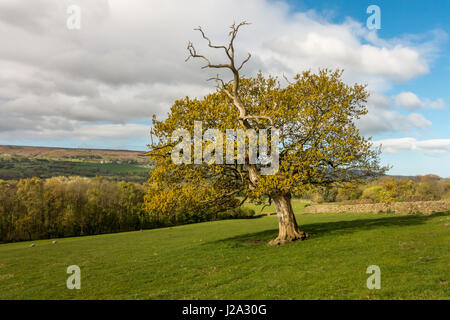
(379, 101)
(408, 100)
(381, 118)
(432, 147)
(385, 121)
(417, 120)
(127, 61)
(411, 101)
(436, 104)
(109, 134)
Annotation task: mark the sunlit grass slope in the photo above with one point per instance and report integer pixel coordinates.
(230, 260)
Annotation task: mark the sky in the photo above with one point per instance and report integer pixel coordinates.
(98, 86)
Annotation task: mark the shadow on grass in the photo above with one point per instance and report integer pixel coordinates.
(317, 230)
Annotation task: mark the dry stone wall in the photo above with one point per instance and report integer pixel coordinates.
(425, 207)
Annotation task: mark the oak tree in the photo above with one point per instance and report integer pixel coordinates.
(319, 142)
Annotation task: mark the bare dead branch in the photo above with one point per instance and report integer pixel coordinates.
(228, 50)
(233, 33)
(234, 94)
(193, 53)
(244, 62)
(210, 44)
(222, 86)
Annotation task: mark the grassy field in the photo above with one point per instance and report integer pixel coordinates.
(297, 204)
(230, 260)
(20, 162)
(20, 168)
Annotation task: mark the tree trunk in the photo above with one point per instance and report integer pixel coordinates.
(288, 229)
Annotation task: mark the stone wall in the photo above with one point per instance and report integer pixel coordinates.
(425, 207)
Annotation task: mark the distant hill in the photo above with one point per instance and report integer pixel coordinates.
(52, 152)
(19, 162)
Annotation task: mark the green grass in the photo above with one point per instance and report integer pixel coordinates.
(20, 168)
(230, 260)
(297, 204)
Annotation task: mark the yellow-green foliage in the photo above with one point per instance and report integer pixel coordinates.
(386, 189)
(35, 208)
(60, 207)
(349, 191)
(319, 142)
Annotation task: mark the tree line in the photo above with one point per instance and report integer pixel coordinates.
(37, 208)
(385, 189)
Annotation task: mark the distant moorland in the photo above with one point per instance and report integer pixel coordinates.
(19, 162)
(51, 152)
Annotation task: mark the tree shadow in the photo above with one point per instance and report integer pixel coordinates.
(317, 230)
